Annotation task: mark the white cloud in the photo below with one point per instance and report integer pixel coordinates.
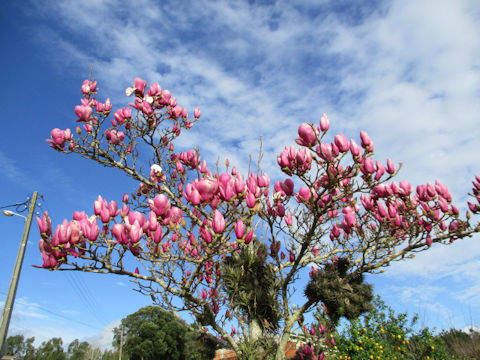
(406, 72)
(103, 340)
(13, 172)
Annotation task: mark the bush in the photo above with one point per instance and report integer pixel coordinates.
(381, 334)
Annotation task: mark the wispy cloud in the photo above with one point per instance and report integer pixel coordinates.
(26, 309)
(405, 71)
(12, 172)
(104, 338)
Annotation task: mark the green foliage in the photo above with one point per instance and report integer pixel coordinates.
(381, 334)
(343, 294)
(199, 345)
(260, 349)
(51, 350)
(251, 285)
(20, 347)
(78, 350)
(462, 345)
(153, 333)
(24, 349)
(424, 345)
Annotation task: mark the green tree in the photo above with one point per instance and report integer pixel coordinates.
(200, 345)
(460, 344)
(20, 347)
(382, 334)
(189, 225)
(152, 333)
(51, 350)
(109, 355)
(82, 351)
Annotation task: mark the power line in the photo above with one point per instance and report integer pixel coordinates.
(56, 314)
(80, 287)
(83, 297)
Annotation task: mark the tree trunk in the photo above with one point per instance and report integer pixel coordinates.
(255, 330)
(280, 355)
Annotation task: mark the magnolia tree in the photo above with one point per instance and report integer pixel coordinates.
(232, 249)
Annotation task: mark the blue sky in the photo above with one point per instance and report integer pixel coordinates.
(407, 72)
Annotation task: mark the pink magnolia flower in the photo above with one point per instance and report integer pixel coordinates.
(263, 180)
(326, 152)
(307, 134)
(98, 205)
(368, 167)
(207, 187)
(349, 216)
(366, 202)
(218, 222)
(288, 219)
(239, 229)
(239, 184)
(45, 224)
(88, 128)
(140, 86)
(83, 112)
(105, 215)
(249, 236)
(406, 187)
(226, 187)
(136, 216)
(366, 142)
(157, 235)
(115, 137)
(381, 210)
(304, 194)
(118, 230)
(197, 113)
(135, 232)
(354, 148)
(122, 115)
(380, 170)
(88, 87)
(429, 241)
(113, 208)
(192, 195)
(443, 191)
(155, 90)
(442, 204)
(473, 207)
(324, 123)
(251, 200)
(89, 228)
(59, 138)
(342, 143)
(175, 215)
(390, 167)
(160, 205)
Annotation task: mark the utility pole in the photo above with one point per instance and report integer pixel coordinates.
(7, 309)
(121, 345)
